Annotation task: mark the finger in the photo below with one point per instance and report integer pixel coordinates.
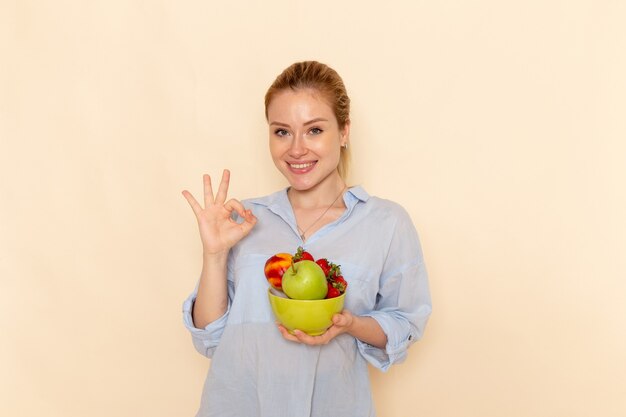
(195, 206)
(337, 320)
(249, 218)
(340, 320)
(286, 334)
(302, 337)
(208, 190)
(236, 205)
(312, 340)
(220, 198)
(249, 222)
(343, 320)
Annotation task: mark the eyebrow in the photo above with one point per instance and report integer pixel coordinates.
(317, 119)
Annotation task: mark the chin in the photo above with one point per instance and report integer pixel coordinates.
(298, 182)
(299, 186)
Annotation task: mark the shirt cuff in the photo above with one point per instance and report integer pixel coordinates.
(400, 335)
(204, 340)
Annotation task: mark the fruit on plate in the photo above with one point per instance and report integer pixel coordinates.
(275, 267)
(313, 291)
(305, 280)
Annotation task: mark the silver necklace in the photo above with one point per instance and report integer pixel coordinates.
(303, 232)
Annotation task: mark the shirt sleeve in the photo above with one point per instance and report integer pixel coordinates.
(403, 302)
(207, 339)
(204, 340)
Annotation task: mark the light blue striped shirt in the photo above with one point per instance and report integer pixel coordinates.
(255, 371)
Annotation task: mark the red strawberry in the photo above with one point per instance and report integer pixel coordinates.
(335, 270)
(340, 284)
(332, 291)
(325, 265)
(341, 280)
(302, 255)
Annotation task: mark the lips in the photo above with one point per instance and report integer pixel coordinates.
(301, 167)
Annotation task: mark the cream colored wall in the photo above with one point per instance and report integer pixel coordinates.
(498, 125)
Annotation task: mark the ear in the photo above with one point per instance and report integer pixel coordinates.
(345, 134)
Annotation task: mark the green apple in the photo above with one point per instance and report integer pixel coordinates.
(305, 280)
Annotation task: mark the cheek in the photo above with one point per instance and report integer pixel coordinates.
(331, 149)
(275, 149)
(277, 152)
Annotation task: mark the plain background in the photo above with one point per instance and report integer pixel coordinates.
(498, 125)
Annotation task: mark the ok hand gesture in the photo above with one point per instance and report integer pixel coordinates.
(218, 231)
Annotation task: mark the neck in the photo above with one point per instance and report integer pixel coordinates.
(319, 196)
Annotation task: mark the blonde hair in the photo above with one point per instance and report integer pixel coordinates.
(320, 77)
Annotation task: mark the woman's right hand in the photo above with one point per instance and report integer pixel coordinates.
(218, 231)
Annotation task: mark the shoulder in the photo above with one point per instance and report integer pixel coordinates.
(382, 208)
(387, 206)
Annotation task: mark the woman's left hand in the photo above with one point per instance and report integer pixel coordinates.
(341, 324)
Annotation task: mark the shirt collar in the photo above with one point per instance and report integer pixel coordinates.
(278, 203)
(359, 193)
(279, 200)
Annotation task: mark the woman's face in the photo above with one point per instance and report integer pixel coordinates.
(305, 139)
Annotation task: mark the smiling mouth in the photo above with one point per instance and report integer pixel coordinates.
(302, 166)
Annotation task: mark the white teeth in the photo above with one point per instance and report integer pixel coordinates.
(300, 166)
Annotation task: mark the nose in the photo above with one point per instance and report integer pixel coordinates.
(298, 147)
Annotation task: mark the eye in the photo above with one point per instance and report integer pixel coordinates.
(281, 132)
(316, 131)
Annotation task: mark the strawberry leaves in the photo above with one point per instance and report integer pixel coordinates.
(302, 255)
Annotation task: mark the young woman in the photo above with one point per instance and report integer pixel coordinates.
(257, 367)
